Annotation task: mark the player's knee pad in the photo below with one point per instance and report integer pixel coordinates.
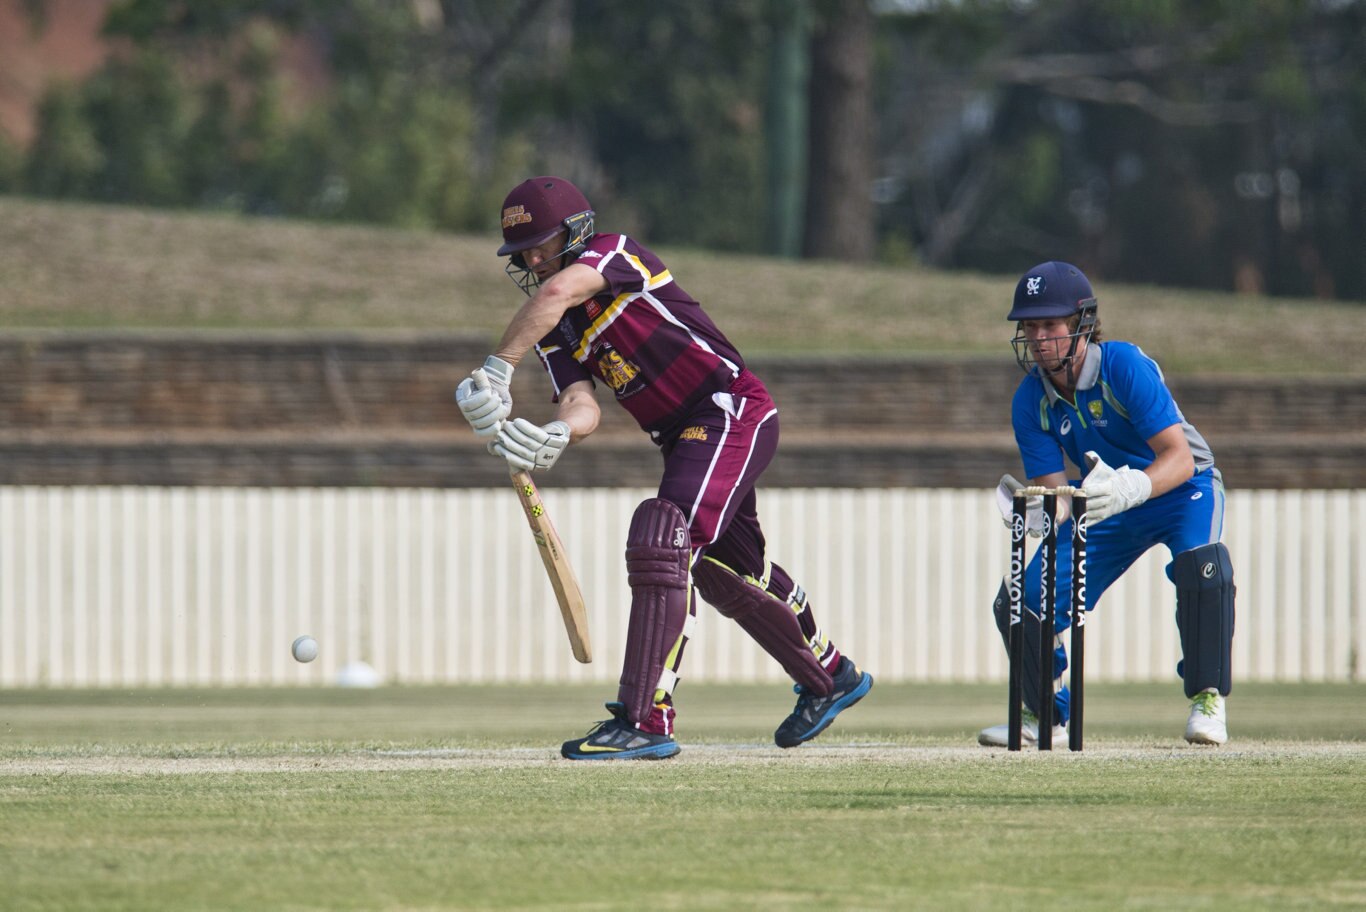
(771, 623)
(1000, 608)
(657, 553)
(1204, 615)
(1030, 627)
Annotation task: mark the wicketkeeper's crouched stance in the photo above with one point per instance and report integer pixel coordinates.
(604, 308)
(1150, 480)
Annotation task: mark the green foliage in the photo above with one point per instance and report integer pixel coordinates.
(393, 153)
(1199, 144)
(66, 157)
(897, 251)
(11, 165)
(683, 140)
(1035, 170)
(1221, 144)
(139, 113)
(147, 22)
(390, 144)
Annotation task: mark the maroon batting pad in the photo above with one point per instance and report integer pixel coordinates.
(772, 624)
(657, 568)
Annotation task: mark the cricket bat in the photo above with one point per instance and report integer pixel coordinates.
(557, 566)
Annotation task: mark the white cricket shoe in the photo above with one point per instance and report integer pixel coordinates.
(1208, 723)
(999, 735)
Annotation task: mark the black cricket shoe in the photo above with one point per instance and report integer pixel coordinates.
(617, 739)
(814, 714)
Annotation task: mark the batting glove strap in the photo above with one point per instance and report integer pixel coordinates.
(498, 371)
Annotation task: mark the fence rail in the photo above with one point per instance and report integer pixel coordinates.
(199, 586)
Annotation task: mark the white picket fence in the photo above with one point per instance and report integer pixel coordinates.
(194, 586)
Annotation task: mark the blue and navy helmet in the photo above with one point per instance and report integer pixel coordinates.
(1052, 289)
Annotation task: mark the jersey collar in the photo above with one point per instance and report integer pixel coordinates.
(1090, 373)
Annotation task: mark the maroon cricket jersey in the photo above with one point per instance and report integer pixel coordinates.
(644, 337)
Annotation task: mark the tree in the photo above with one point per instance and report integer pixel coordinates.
(1185, 143)
(839, 208)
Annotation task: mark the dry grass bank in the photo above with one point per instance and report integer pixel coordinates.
(77, 266)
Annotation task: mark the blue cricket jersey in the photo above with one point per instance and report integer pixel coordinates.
(1121, 401)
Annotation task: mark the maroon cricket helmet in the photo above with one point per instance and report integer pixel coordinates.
(537, 208)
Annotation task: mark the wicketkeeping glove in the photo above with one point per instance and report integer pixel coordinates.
(1109, 491)
(1005, 501)
(526, 446)
(484, 397)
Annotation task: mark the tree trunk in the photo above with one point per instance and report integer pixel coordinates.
(788, 109)
(839, 204)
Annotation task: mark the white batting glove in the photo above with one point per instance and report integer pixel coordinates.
(1005, 501)
(484, 398)
(1109, 491)
(526, 446)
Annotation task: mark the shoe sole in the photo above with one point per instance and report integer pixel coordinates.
(1025, 740)
(654, 752)
(839, 706)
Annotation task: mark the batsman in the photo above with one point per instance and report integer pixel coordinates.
(603, 309)
(1149, 479)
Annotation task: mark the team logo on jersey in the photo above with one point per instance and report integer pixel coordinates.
(567, 330)
(515, 215)
(1097, 408)
(696, 432)
(618, 373)
(1034, 285)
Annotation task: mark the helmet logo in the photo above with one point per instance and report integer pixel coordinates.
(1033, 284)
(515, 215)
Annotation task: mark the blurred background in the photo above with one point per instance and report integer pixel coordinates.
(246, 254)
(1217, 145)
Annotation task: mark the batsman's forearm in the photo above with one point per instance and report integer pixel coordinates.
(529, 325)
(582, 419)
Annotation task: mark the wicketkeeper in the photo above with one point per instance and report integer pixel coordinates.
(603, 308)
(1150, 479)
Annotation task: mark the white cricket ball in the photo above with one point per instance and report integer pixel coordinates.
(305, 648)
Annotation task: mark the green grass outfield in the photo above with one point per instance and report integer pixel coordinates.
(445, 798)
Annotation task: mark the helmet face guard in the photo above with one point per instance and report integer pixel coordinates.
(580, 232)
(1085, 328)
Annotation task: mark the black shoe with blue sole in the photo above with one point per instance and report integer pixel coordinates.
(813, 714)
(617, 739)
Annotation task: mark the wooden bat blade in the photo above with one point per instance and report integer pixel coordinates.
(557, 566)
